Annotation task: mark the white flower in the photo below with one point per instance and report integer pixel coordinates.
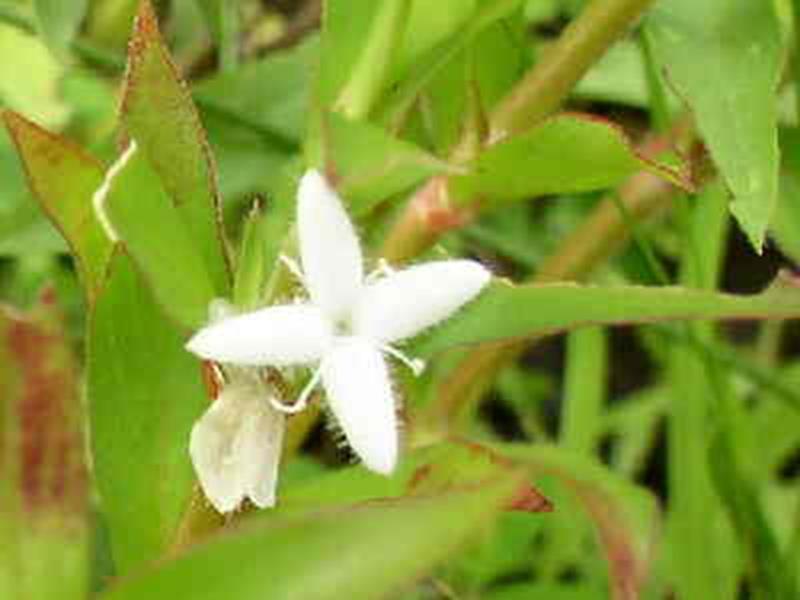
(348, 323)
(236, 445)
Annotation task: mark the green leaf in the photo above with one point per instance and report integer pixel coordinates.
(370, 164)
(546, 591)
(39, 91)
(785, 227)
(251, 268)
(223, 20)
(24, 230)
(773, 576)
(63, 179)
(504, 311)
(59, 21)
(158, 113)
(271, 92)
(158, 241)
(44, 533)
(144, 393)
(565, 154)
(738, 42)
(694, 398)
(585, 381)
(430, 469)
(377, 59)
(256, 117)
(625, 516)
(345, 26)
(435, 52)
(355, 552)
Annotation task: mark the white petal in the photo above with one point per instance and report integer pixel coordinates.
(359, 393)
(278, 335)
(329, 249)
(404, 303)
(235, 448)
(262, 441)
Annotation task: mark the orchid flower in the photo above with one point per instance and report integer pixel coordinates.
(235, 446)
(348, 324)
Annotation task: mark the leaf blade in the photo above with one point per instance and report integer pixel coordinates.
(140, 412)
(158, 112)
(740, 45)
(63, 179)
(504, 311)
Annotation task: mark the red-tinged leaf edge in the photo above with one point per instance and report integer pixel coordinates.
(28, 138)
(525, 498)
(147, 36)
(681, 177)
(628, 566)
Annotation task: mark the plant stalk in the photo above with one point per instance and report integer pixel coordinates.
(535, 97)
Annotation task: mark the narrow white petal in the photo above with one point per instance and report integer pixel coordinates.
(278, 335)
(235, 448)
(329, 248)
(406, 302)
(359, 393)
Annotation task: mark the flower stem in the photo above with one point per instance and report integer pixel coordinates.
(540, 92)
(583, 42)
(369, 75)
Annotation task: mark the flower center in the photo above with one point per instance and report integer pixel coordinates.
(342, 327)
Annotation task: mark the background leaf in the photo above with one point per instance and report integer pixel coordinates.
(739, 42)
(625, 517)
(64, 178)
(60, 20)
(371, 164)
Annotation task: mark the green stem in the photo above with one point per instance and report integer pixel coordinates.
(693, 504)
(375, 63)
(584, 389)
(581, 45)
(657, 93)
(229, 35)
(796, 58)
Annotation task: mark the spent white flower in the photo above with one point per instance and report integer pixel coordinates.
(347, 325)
(235, 446)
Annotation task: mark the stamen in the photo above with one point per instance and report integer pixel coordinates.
(383, 269)
(293, 267)
(302, 400)
(417, 365)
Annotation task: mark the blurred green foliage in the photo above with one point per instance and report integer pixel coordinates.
(663, 454)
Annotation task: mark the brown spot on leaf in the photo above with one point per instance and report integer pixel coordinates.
(528, 499)
(434, 209)
(48, 446)
(420, 475)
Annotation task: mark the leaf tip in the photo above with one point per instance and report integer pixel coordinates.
(145, 26)
(13, 121)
